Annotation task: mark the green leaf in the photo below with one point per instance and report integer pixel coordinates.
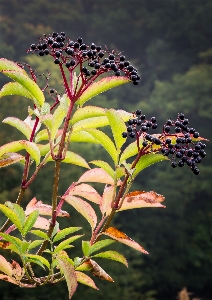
(101, 86)
(146, 161)
(101, 244)
(67, 242)
(30, 222)
(20, 125)
(106, 142)
(39, 260)
(41, 136)
(82, 137)
(87, 112)
(85, 279)
(14, 88)
(18, 210)
(84, 208)
(9, 213)
(14, 240)
(73, 158)
(131, 150)
(117, 126)
(58, 117)
(120, 171)
(24, 247)
(47, 120)
(64, 232)
(86, 247)
(34, 244)
(16, 146)
(44, 149)
(76, 159)
(6, 64)
(41, 234)
(112, 255)
(69, 273)
(90, 123)
(28, 84)
(46, 108)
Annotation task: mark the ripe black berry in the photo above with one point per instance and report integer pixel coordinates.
(196, 134)
(144, 144)
(180, 163)
(132, 134)
(98, 48)
(167, 129)
(122, 58)
(97, 66)
(126, 63)
(181, 116)
(33, 47)
(80, 40)
(101, 54)
(51, 91)
(72, 62)
(57, 54)
(93, 72)
(124, 134)
(57, 61)
(76, 45)
(129, 129)
(54, 34)
(174, 164)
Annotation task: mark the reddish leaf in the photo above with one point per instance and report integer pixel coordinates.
(85, 279)
(44, 209)
(7, 278)
(139, 199)
(99, 272)
(107, 197)
(86, 191)
(84, 208)
(120, 236)
(18, 272)
(10, 158)
(5, 266)
(69, 273)
(96, 175)
(41, 223)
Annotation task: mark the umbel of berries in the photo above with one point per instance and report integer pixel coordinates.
(182, 144)
(91, 59)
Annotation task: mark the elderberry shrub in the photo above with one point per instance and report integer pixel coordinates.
(184, 146)
(94, 60)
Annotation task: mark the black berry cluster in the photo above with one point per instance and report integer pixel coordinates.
(72, 53)
(139, 125)
(184, 146)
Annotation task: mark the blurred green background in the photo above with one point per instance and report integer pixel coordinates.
(170, 43)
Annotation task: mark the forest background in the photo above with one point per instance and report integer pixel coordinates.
(170, 43)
